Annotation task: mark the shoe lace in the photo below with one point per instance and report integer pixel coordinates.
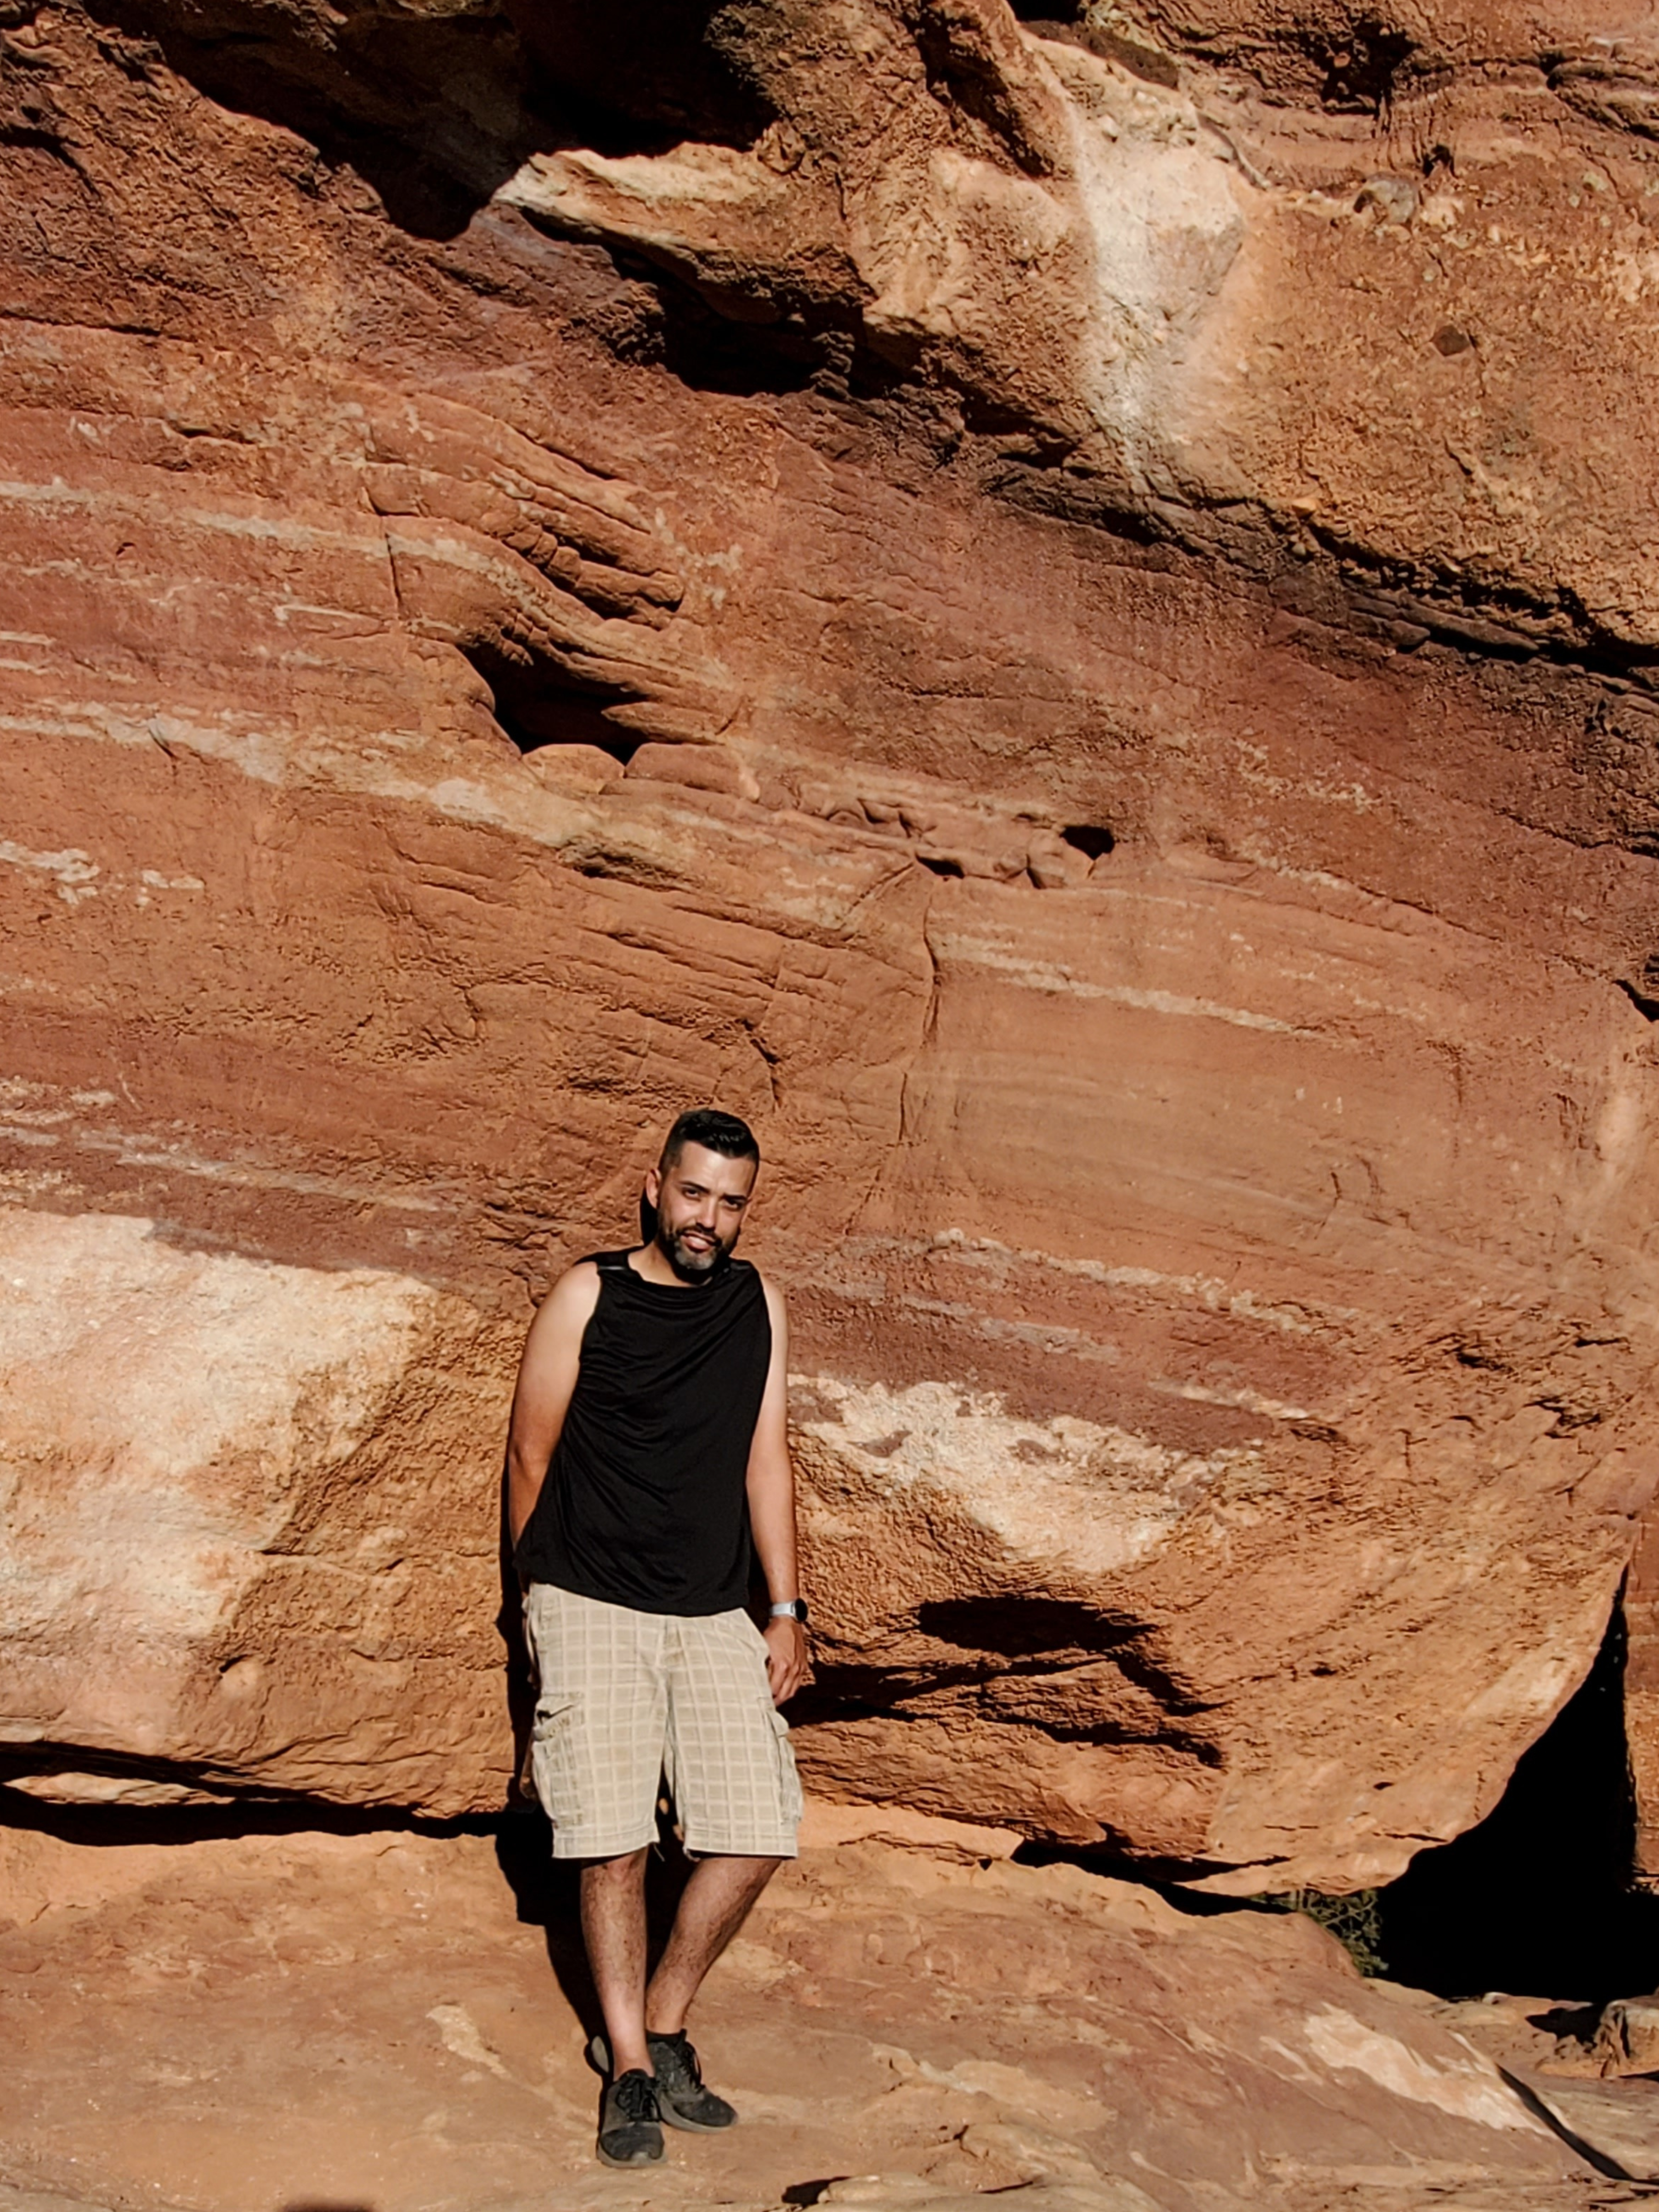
(682, 2059)
(635, 2097)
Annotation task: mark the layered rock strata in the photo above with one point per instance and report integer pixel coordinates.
(1074, 642)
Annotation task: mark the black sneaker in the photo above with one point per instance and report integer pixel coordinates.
(685, 2102)
(631, 2124)
(682, 2099)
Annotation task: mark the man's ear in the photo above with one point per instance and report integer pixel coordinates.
(653, 1186)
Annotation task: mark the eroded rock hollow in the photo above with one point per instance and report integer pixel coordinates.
(1058, 612)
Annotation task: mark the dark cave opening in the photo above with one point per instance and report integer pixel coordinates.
(742, 348)
(397, 102)
(1362, 73)
(1538, 1899)
(537, 719)
(536, 704)
(435, 109)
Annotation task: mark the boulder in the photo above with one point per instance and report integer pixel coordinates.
(249, 1532)
(1627, 2038)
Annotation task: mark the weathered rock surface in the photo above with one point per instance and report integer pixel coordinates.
(1641, 1611)
(368, 2020)
(243, 1486)
(1566, 2062)
(1078, 647)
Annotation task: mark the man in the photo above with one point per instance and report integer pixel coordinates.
(649, 1453)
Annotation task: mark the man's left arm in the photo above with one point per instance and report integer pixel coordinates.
(771, 1484)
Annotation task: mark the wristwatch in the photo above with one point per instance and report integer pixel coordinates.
(790, 1608)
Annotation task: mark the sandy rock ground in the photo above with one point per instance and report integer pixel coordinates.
(395, 2022)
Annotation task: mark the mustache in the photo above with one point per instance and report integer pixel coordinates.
(700, 1240)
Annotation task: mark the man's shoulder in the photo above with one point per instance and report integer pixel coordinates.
(744, 1278)
(576, 1293)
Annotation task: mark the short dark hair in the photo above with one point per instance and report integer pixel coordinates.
(716, 1132)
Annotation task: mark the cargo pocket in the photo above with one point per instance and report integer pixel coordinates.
(551, 1764)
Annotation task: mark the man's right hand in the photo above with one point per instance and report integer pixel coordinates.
(787, 1658)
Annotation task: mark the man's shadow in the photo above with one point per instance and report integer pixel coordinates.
(546, 1890)
(519, 1674)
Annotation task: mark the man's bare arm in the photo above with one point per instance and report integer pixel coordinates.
(547, 1377)
(771, 1483)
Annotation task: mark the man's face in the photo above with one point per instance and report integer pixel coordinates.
(699, 1199)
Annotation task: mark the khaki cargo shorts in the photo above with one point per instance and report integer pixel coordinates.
(627, 1698)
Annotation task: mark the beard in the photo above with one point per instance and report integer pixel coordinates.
(692, 1263)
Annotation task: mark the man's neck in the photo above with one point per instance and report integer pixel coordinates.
(651, 1261)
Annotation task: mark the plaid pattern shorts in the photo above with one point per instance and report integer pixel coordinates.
(626, 1698)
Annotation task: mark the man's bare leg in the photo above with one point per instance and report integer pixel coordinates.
(613, 1928)
(714, 1905)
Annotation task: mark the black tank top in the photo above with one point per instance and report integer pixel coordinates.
(644, 1503)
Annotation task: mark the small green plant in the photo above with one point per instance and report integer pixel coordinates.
(1356, 1921)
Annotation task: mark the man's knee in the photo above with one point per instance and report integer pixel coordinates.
(620, 1873)
(744, 1871)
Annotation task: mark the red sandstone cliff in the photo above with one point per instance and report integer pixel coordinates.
(1059, 613)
